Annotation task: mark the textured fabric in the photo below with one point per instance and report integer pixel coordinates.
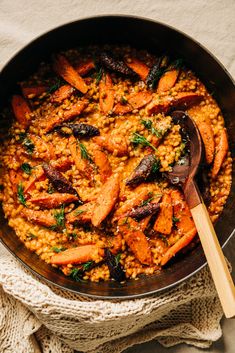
(36, 317)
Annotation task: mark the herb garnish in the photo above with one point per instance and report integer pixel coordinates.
(84, 153)
(57, 250)
(26, 142)
(99, 74)
(78, 212)
(31, 236)
(20, 194)
(141, 140)
(175, 219)
(123, 100)
(50, 189)
(163, 238)
(87, 265)
(26, 167)
(156, 166)
(60, 219)
(118, 258)
(149, 125)
(72, 235)
(55, 86)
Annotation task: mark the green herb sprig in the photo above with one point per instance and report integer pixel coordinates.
(26, 167)
(141, 140)
(84, 153)
(20, 194)
(148, 124)
(58, 249)
(60, 219)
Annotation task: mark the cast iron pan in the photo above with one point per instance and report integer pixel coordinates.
(157, 38)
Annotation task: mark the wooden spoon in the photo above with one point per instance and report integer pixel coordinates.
(183, 174)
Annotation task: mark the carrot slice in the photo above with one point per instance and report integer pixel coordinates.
(81, 214)
(136, 240)
(42, 218)
(180, 244)
(135, 101)
(115, 244)
(85, 67)
(76, 255)
(182, 213)
(208, 140)
(21, 110)
(63, 68)
(53, 200)
(138, 67)
(62, 165)
(82, 165)
(163, 223)
(62, 93)
(168, 80)
(106, 94)
(15, 179)
(40, 175)
(220, 154)
(106, 200)
(34, 91)
(113, 143)
(52, 121)
(102, 162)
(144, 223)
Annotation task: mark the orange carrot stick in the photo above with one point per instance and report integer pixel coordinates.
(81, 214)
(180, 244)
(42, 218)
(21, 110)
(40, 175)
(102, 162)
(106, 200)
(163, 223)
(220, 154)
(167, 80)
(85, 67)
(144, 223)
(106, 94)
(62, 93)
(113, 143)
(82, 165)
(208, 140)
(15, 179)
(53, 200)
(34, 91)
(134, 101)
(63, 68)
(138, 67)
(76, 255)
(135, 239)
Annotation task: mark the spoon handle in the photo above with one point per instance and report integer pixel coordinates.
(215, 258)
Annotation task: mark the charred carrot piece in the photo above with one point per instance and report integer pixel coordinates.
(62, 165)
(116, 244)
(82, 165)
(138, 67)
(15, 179)
(21, 110)
(208, 140)
(220, 154)
(156, 107)
(163, 223)
(32, 92)
(168, 80)
(140, 196)
(135, 101)
(81, 214)
(40, 175)
(53, 200)
(180, 244)
(106, 94)
(136, 240)
(106, 200)
(182, 213)
(64, 69)
(101, 160)
(42, 218)
(62, 93)
(113, 143)
(144, 223)
(85, 67)
(52, 121)
(76, 255)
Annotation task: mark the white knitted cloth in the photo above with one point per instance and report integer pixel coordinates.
(36, 317)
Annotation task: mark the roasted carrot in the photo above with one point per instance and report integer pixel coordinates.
(21, 110)
(180, 244)
(208, 139)
(182, 213)
(81, 214)
(15, 179)
(102, 162)
(85, 67)
(106, 94)
(106, 200)
(134, 101)
(64, 69)
(138, 67)
(144, 223)
(62, 165)
(53, 120)
(168, 80)
(113, 143)
(42, 218)
(135, 239)
(163, 223)
(39, 175)
(76, 255)
(220, 153)
(34, 91)
(115, 244)
(82, 165)
(53, 200)
(62, 93)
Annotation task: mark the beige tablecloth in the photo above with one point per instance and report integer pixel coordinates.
(36, 317)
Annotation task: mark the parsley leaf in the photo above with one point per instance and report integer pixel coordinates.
(78, 212)
(149, 125)
(20, 194)
(175, 219)
(87, 265)
(77, 274)
(31, 236)
(57, 250)
(55, 86)
(141, 140)
(26, 167)
(118, 258)
(99, 75)
(60, 219)
(84, 153)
